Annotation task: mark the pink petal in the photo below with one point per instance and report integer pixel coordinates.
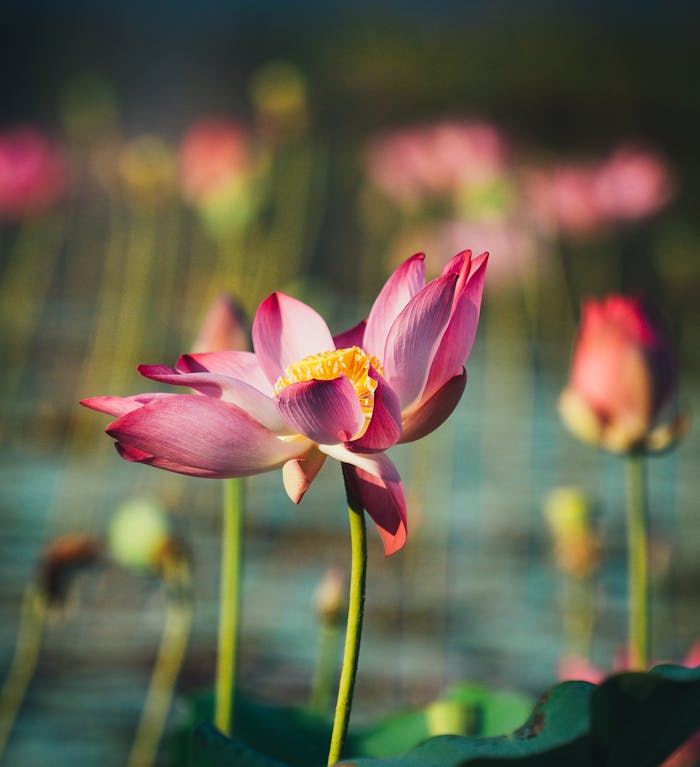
(432, 412)
(241, 365)
(456, 263)
(248, 398)
(299, 473)
(406, 281)
(133, 455)
(457, 340)
(119, 406)
(205, 434)
(414, 337)
(285, 331)
(384, 429)
(324, 411)
(352, 337)
(376, 485)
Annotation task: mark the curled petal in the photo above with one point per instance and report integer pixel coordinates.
(457, 340)
(228, 389)
(414, 337)
(286, 330)
(119, 406)
(384, 429)
(204, 434)
(432, 412)
(299, 473)
(399, 289)
(324, 411)
(241, 365)
(375, 483)
(352, 337)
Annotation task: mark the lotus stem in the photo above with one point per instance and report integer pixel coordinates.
(176, 632)
(356, 605)
(29, 636)
(229, 604)
(637, 563)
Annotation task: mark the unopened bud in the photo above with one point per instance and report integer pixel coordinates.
(576, 545)
(138, 533)
(62, 559)
(330, 595)
(225, 327)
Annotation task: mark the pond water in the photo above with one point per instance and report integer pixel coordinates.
(474, 596)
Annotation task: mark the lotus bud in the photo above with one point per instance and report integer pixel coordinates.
(225, 327)
(138, 534)
(331, 596)
(61, 560)
(278, 91)
(576, 545)
(623, 380)
(147, 171)
(217, 169)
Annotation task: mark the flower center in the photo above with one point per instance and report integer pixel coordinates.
(353, 363)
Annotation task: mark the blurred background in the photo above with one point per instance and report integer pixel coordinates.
(155, 155)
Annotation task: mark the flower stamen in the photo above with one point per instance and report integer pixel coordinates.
(353, 363)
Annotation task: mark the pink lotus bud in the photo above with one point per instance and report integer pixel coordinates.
(225, 327)
(33, 173)
(633, 184)
(214, 155)
(623, 375)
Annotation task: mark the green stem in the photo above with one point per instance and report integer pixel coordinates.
(637, 563)
(229, 603)
(29, 635)
(356, 605)
(178, 620)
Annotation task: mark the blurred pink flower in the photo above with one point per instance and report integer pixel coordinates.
(582, 198)
(33, 173)
(633, 184)
(304, 395)
(214, 154)
(436, 159)
(564, 198)
(225, 327)
(623, 374)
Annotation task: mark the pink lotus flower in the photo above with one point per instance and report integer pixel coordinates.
(633, 184)
(33, 173)
(623, 375)
(564, 198)
(435, 159)
(304, 395)
(214, 155)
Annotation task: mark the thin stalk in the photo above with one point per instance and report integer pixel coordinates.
(637, 563)
(356, 606)
(173, 643)
(29, 636)
(229, 604)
